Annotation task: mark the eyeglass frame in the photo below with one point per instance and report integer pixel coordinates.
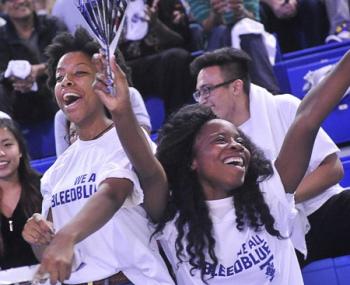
(205, 90)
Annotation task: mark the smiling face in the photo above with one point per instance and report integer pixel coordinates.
(221, 100)
(19, 9)
(75, 75)
(220, 158)
(10, 155)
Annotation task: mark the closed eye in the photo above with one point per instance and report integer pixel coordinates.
(239, 140)
(81, 73)
(220, 140)
(59, 78)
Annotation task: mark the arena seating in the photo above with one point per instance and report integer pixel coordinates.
(330, 271)
(345, 182)
(290, 72)
(40, 139)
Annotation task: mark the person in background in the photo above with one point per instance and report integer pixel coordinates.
(20, 197)
(23, 91)
(306, 23)
(321, 202)
(236, 23)
(160, 60)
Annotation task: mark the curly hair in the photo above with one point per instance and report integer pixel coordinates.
(187, 203)
(233, 63)
(81, 41)
(30, 199)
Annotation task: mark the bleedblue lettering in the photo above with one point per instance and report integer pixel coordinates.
(83, 188)
(255, 252)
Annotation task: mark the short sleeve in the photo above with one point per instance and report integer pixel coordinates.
(116, 170)
(46, 189)
(139, 108)
(281, 204)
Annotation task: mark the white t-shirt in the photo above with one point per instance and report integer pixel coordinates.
(270, 119)
(122, 244)
(247, 257)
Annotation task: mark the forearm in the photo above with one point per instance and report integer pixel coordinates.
(151, 174)
(211, 21)
(39, 69)
(91, 217)
(329, 173)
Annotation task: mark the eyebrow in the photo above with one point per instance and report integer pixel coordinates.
(77, 65)
(6, 140)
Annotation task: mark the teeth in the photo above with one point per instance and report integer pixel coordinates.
(234, 160)
(69, 98)
(3, 163)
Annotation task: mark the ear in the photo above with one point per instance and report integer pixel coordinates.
(237, 87)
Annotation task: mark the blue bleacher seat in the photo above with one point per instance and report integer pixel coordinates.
(155, 108)
(290, 74)
(345, 182)
(41, 165)
(330, 271)
(320, 272)
(40, 138)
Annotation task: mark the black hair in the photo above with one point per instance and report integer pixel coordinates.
(233, 63)
(80, 41)
(187, 203)
(30, 199)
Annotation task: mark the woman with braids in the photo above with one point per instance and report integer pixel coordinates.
(231, 211)
(19, 196)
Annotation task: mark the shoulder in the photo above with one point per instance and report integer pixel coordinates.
(287, 99)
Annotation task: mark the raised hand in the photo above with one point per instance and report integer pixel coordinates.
(115, 104)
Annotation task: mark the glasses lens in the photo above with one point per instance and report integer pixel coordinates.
(196, 95)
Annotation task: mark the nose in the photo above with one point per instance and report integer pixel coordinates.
(236, 145)
(66, 81)
(2, 152)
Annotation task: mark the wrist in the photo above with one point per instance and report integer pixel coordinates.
(67, 235)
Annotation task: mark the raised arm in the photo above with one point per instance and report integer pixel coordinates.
(150, 172)
(295, 153)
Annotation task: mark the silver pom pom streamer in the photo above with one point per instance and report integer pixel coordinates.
(106, 19)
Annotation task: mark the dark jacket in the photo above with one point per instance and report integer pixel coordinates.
(13, 48)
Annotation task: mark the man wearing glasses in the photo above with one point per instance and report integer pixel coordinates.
(322, 228)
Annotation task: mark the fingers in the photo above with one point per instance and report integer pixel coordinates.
(103, 81)
(37, 230)
(53, 268)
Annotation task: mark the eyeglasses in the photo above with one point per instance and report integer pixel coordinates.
(205, 90)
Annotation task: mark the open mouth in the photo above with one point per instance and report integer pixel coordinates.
(235, 161)
(70, 98)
